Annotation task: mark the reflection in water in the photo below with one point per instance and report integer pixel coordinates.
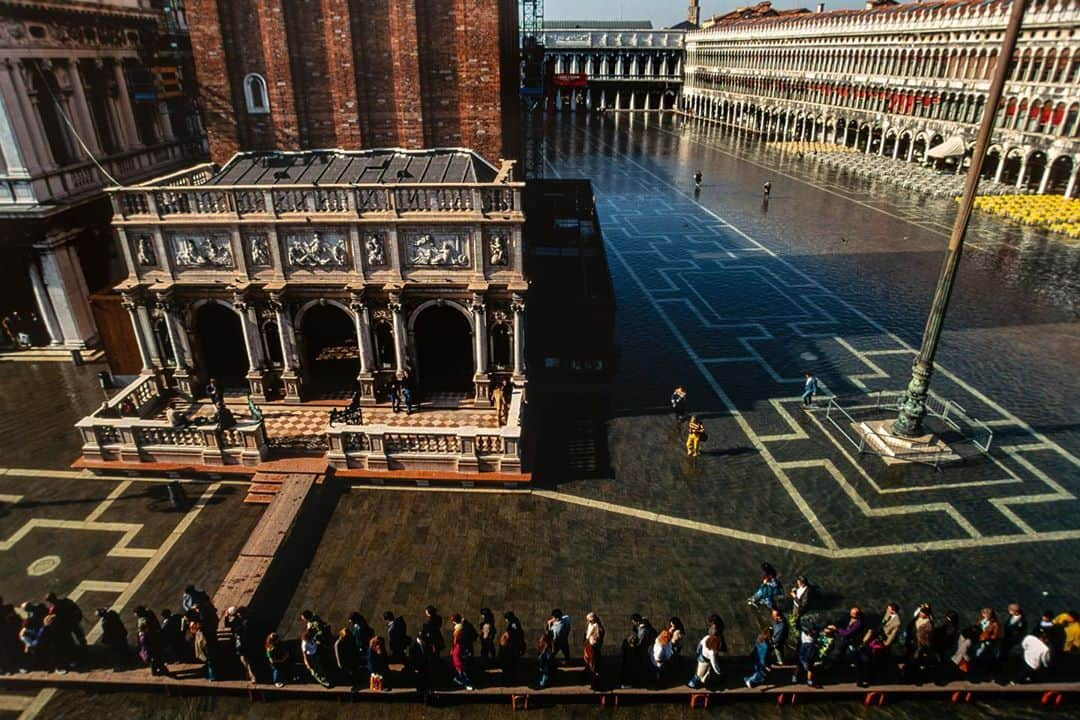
(1011, 327)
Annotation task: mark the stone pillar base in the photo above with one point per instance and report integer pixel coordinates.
(291, 382)
(256, 385)
(367, 388)
(185, 383)
(482, 387)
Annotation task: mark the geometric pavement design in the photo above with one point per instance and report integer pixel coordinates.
(682, 257)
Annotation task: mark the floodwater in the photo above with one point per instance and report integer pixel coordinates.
(1011, 329)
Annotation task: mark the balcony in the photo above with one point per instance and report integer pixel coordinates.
(79, 180)
(334, 202)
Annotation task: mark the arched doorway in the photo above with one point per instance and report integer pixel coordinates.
(990, 163)
(1060, 171)
(444, 357)
(1036, 166)
(222, 352)
(331, 353)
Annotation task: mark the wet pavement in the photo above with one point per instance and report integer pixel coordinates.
(733, 299)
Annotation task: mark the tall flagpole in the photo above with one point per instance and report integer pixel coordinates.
(913, 407)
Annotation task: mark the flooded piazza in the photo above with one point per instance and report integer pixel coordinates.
(732, 297)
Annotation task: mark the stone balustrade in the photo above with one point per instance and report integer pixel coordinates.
(961, 17)
(135, 440)
(185, 198)
(464, 449)
(82, 178)
(144, 393)
(110, 436)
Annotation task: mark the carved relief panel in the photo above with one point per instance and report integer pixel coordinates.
(142, 250)
(375, 251)
(437, 248)
(202, 250)
(497, 246)
(257, 247)
(323, 249)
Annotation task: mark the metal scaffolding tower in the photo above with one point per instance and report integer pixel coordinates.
(532, 86)
(532, 19)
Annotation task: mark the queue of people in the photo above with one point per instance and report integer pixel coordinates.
(797, 642)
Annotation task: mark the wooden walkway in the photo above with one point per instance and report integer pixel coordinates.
(188, 679)
(264, 547)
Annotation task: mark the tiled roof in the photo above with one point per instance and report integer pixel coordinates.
(329, 167)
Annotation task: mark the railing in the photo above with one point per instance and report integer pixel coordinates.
(178, 200)
(136, 440)
(465, 449)
(82, 178)
(196, 175)
(978, 17)
(950, 412)
(116, 432)
(917, 451)
(144, 393)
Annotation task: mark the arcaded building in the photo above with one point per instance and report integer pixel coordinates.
(308, 274)
(288, 75)
(305, 278)
(91, 95)
(899, 80)
(612, 65)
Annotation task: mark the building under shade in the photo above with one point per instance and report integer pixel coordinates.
(302, 277)
(900, 81)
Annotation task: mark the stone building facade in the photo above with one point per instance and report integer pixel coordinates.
(79, 110)
(899, 80)
(302, 275)
(287, 75)
(626, 65)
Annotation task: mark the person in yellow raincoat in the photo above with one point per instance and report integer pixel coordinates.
(697, 433)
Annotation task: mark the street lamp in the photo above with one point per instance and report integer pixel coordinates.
(913, 407)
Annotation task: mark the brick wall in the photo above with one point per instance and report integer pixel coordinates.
(359, 73)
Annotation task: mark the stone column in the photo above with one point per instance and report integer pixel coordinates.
(23, 153)
(48, 315)
(1072, 180)
(143, 314)
(123, 99)
(400, 358)
(80, 114)
(290, 378)
(366, 378)
(1001, 163)
(1022, 175)
(1046, 175)
(250, 327)
(181, 348)
(140, 337)
(62, 276)
(481, 380)
(518, 306)
(9, 145)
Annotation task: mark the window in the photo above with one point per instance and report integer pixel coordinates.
(258, 103)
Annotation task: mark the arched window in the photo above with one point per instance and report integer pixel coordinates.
(255, 95)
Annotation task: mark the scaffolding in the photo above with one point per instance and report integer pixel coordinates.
(532, 86)
(532, 19)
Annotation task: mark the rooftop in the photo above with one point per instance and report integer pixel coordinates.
(348, 167)
(598, 25)
(764, 14)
